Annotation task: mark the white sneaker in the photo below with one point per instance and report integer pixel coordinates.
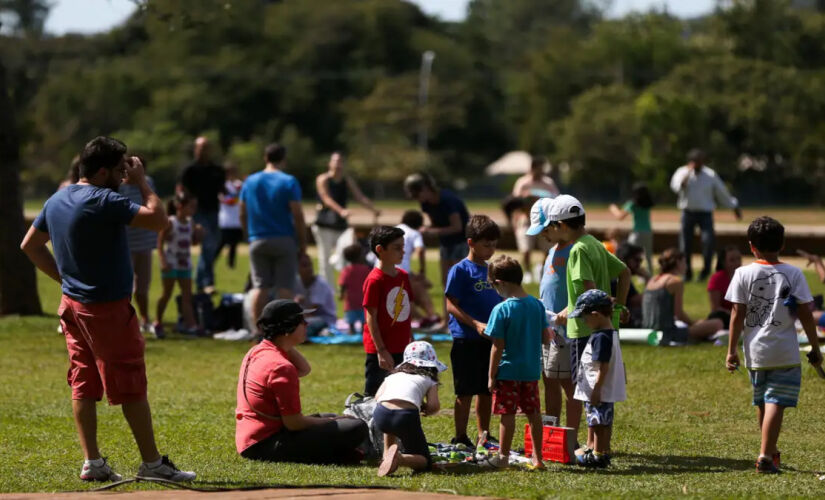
(166, 470)
(103, 472)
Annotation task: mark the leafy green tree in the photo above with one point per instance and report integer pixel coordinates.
(600, 138)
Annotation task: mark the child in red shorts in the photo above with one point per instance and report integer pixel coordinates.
(518, 327)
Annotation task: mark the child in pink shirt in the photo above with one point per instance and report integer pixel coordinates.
(351, 281)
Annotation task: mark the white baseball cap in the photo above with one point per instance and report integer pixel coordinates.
(540, 215)
(565, 207)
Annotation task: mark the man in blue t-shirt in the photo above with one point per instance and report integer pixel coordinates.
(272, 217)
(470, 299)
(448, 219)
(86, 223)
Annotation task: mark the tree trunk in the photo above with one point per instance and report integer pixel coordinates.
(18, 282)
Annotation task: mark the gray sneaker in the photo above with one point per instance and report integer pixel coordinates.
(90, 472)
(166, 470)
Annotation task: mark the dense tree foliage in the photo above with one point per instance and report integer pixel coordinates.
(621, 98)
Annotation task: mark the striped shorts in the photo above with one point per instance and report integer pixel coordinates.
(779, 387)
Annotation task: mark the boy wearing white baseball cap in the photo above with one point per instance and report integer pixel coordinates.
(589, 266)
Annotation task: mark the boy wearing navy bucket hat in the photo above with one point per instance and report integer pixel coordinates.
(600, 380)
(411, 389)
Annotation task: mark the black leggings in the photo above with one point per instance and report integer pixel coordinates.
(230, 237)
(332, 442)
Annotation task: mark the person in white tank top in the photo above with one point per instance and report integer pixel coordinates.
(175, 252)
(410, 389)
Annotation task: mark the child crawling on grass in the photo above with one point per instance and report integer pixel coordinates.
(410, 389)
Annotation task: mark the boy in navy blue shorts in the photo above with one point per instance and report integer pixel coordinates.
(470, 300)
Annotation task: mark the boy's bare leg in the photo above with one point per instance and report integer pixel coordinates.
(484, 408)
(771, 425)
(414, 462)
(139, 417)
(506, 430)
(552, 397)
(537, 434)
(569, 390)
(591, 438)
(601, 438)
(574, 414)
(85, 419)
(461, 414)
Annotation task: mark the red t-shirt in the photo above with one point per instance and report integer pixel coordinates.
(352, 278)
(272, 388)
(392, 297)
(720, 281)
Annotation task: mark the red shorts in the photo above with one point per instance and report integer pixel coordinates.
(105, 350)
(510, 395)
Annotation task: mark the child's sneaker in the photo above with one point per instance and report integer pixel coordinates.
(590, 460)
(166, 470)
(765, 465)
(103, 472)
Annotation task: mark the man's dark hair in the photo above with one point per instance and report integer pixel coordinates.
(766, 234)
(696, 155)
(100, 152)
(415, 183)
(481, 227)
(505, 269)
(413, 219)
(354, 253)
(275, 153)
(383, 236)
(627, 250)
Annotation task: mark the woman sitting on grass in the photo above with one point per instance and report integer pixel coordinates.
(727, 261)
(663, 299)
(269, 425)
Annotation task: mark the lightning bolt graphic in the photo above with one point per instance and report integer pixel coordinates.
(399, 305)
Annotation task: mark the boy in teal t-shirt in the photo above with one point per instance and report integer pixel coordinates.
(518, 327)
(589, 266)
(639, 207)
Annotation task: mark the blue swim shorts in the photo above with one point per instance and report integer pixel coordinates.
(599, 415)
(779, 387)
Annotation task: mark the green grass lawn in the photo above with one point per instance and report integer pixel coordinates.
(686, 429)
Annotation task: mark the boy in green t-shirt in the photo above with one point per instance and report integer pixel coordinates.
(588, 266)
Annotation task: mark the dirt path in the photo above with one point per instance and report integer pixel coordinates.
(307, 494)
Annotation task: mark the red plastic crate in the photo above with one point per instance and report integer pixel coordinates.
(559, 443)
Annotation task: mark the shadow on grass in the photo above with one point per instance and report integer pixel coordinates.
(637, 464)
